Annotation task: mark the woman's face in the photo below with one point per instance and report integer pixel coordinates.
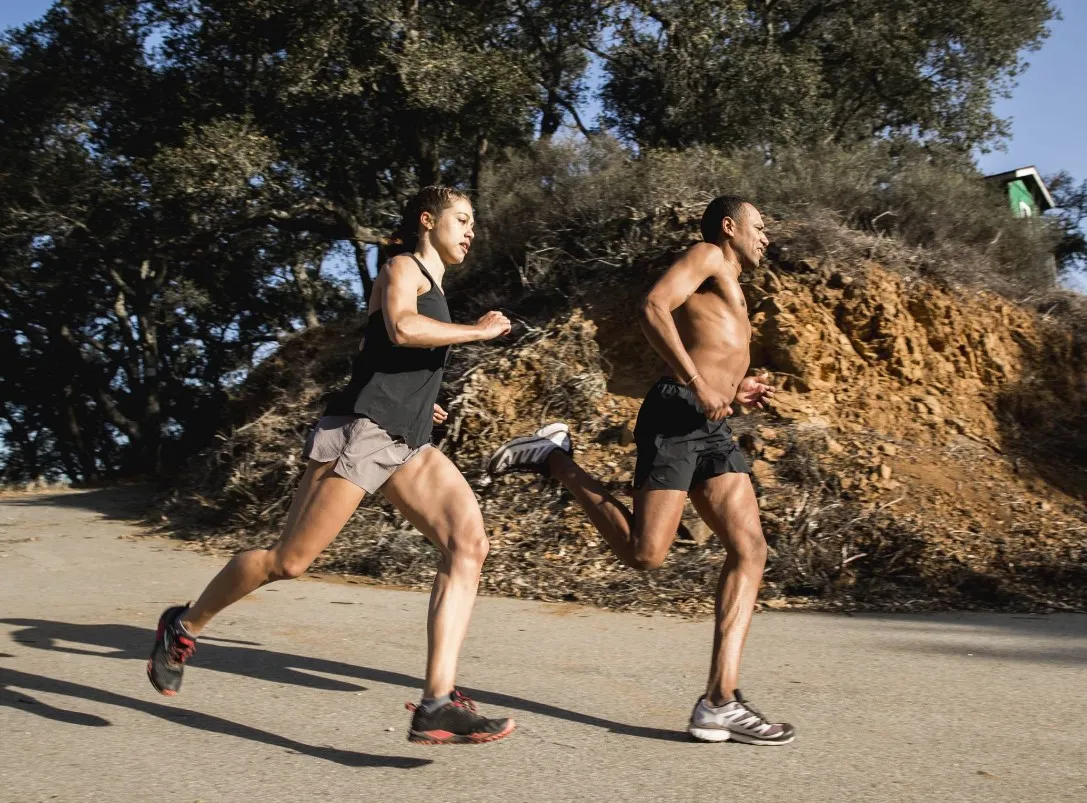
(452, 231)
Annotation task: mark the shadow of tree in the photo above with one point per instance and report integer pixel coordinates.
(1043, 416)
(130, 503)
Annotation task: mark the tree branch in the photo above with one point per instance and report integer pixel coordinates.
(101, 394)
(572, 109)
(810, 17)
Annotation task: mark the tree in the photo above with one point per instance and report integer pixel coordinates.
(136, 272)
(172, 173)
(1070, 200)
(733, 73)
(555, 39)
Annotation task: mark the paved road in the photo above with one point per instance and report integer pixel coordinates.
(298, 692)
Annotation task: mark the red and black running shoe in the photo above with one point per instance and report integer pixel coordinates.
(173, 647)
(456, 722)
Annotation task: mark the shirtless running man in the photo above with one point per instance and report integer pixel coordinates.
(695, 317)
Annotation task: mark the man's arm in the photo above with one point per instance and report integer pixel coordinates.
(406, 327)
(669, 293)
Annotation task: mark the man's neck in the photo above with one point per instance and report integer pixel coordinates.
(731, 259)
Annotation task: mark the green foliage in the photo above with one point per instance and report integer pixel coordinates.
(925, 211)
(734, 73)
(1071, 214)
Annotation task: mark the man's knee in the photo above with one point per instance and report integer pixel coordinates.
(649, 560)
(751, 547)
(652, 543)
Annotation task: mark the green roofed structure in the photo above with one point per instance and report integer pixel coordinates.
(1026, 191)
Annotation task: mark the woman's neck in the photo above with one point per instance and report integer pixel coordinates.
(428, 255)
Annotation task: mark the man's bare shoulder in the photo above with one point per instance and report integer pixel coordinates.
(706, 256)
(706, 251)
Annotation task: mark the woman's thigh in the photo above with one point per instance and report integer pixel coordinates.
(321, 507)
(434, 496)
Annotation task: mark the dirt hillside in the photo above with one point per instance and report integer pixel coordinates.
(927, 450)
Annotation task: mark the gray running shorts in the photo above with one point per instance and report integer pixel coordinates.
(363, 452)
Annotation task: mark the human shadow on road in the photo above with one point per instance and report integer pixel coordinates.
(129, 642)
(10, 680)
(20, 700)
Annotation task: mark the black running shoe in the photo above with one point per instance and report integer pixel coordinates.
(456, 722)
(173, 647)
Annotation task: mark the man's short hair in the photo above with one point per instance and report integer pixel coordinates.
(721, 207)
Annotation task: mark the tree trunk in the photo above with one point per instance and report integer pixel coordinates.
(477, 162)
(306, 291)
(551, 116)
(429, 162)
(151, 419)
(363, 269)
(84, 451)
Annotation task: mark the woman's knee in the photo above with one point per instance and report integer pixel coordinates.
(468, 542)
(287, 566)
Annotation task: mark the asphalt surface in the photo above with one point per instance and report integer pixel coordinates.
(297, 693)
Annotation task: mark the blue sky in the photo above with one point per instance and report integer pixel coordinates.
(1048, 108)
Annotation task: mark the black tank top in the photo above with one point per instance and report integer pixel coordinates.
(396, 386)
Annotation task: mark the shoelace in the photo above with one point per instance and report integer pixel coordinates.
(740, 701)
(456, 697)
(763, 723)
(463, 700)
(750, 710)
(181, 648)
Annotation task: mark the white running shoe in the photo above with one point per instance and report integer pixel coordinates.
(530, 452)
(738, 721)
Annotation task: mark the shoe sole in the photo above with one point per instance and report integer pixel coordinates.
(505, 448)
(710, 734)
(444, 737)
(552, 429)
(157, 687)
(745, 739)
(721, 735)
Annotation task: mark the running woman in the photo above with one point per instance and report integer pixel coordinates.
(695, 317)
(375, 437)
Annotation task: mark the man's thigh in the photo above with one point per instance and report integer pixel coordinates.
(656, 519)
(727, 503)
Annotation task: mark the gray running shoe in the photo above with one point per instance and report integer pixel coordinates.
(530, 452)
(738, 721)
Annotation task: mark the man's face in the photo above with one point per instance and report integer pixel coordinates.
(747, 236)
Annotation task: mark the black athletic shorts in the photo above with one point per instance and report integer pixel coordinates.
(678, 447)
